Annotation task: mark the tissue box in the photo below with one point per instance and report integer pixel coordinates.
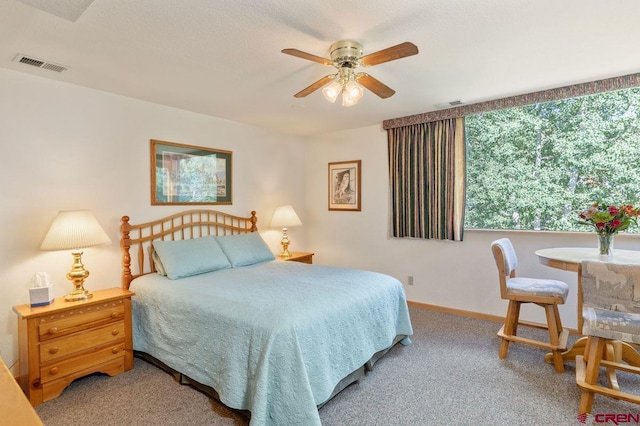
(41, 296)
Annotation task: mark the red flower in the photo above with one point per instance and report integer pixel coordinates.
(609, 218)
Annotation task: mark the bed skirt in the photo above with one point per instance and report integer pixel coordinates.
(211, 392)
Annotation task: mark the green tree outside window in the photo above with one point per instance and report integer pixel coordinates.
(534, 167)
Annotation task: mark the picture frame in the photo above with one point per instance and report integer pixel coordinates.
(345, 186)
(189, 175)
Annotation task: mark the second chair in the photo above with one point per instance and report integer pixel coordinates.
(611, 314)
(518, 290)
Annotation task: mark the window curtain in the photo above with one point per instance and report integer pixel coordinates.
(427, 180)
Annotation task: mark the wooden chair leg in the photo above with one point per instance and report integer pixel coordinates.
(592, 356)
(556, 311)
(587, 347)
(554, 335)
(516, 318)
(552, 324)
(510, 326)
(613, 352)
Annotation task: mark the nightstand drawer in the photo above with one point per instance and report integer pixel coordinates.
(79, 319)
(64, 346)
(69, 366)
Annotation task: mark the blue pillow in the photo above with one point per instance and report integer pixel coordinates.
(157, 263)
(245, 249)
(183, 258)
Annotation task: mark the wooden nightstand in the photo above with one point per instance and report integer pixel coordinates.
(63, 341)
(298, 256)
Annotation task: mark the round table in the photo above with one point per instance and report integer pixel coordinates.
(569, 259)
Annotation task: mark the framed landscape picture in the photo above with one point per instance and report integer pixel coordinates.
(344, 185)
(186, 174)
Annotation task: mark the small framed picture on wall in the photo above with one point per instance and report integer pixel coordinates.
(344, 186)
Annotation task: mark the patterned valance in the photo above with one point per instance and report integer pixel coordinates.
(599, 86)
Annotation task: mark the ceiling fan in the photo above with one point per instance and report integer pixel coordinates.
(346, 56)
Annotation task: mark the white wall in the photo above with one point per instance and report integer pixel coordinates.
(66, 147)
(459, 275)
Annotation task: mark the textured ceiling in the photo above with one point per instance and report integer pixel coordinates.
(222, 58)
(67, 9)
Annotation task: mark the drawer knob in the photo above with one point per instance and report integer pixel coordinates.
(53, 330)
(114, 315)
(54, 350)
(115, 332)
(115, 350)
(53, 371)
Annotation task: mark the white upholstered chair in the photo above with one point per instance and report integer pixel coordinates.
(518, 290)
(611, 320)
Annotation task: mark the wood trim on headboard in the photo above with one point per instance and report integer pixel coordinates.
(181, 226)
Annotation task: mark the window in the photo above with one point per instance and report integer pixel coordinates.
(534, 167)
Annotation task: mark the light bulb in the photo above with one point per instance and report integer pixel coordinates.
(332, 91)
(354, 90)
(351, 93)
(348, 100)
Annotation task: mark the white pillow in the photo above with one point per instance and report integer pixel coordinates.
(184, 258)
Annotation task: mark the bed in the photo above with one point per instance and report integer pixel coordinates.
(274, 339)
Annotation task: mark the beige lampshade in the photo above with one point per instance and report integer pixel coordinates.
(74, 229)
(285, 217)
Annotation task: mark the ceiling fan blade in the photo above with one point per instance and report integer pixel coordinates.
(315, 86)
(375, 85)
(401, 50)
(308, 56)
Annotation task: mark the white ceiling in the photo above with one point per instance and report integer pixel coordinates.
(222, 57)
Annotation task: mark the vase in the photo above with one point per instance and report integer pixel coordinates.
(605, 243)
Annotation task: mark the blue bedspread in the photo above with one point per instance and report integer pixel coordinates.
(273, 338)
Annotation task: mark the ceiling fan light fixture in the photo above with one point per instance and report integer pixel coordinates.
(348, 100)
(351, 93)
(346, 56)
(332, 91)
(353, 89)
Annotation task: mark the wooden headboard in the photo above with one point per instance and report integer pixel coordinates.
(181, 226)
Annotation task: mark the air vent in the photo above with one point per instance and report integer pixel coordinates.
(35, 62)
(449, 104)
(54, 67)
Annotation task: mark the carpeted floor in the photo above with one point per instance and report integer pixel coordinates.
(451, 374)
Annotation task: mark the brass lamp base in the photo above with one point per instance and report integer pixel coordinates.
(285, 244)
(285, 253)
(77, 274)
(78, 294)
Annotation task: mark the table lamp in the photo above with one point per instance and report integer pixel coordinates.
(74, 230)
(285, 216)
